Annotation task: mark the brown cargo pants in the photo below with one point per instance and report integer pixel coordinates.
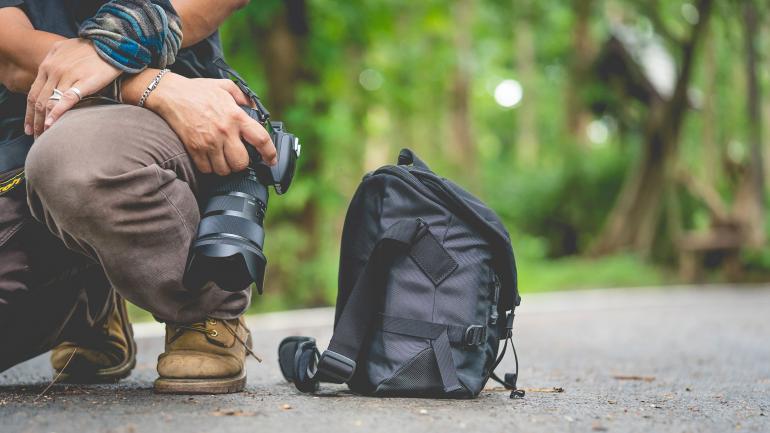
(110, 204)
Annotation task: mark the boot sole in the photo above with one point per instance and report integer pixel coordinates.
(111, 374)
(201, 386)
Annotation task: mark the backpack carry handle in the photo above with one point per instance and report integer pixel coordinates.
(407, 157)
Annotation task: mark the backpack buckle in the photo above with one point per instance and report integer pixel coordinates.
(336, 368)
(475, 335)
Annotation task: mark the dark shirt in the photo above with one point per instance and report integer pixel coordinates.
(63, 17)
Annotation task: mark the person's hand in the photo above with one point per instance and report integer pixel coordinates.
(206, 116)
(70, 63)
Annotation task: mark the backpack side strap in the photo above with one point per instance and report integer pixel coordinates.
(471, 335)
(440, 336)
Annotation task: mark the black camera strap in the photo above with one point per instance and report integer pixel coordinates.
(264, 115)
(13, 153)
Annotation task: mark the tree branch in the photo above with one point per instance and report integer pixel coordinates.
(651, 9)
(710, 197)
(676, 105)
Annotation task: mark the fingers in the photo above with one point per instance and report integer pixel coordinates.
(232, 157)
(235, 92)
(256, 135)
(236, 155)
(68, 62)
(49, 106)
(40, 107)
(218, 162)
(202, 162)
(68, 100)
(32, 96)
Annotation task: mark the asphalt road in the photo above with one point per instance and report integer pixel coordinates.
(652, 360)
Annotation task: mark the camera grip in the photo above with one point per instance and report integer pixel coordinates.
(287, 148)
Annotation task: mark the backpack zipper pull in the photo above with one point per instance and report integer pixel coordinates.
(509, 324)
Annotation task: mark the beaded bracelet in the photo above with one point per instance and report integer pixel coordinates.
(151, 87)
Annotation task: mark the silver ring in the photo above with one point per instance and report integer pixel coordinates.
(76, 91)
(56, 96)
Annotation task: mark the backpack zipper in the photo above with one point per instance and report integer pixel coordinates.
(410, 177)
(493, 314)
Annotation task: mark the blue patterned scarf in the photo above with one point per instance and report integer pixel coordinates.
(134, 34)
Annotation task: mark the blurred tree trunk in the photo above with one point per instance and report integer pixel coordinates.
(459, 116)
(750, 198)
(283, 46)
(527, 142)
(766, 144)
(634, 220)
(579, 69)
(766, 112)
(766, 118)
(712, 158)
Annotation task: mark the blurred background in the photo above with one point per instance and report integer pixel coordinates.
(623, 142)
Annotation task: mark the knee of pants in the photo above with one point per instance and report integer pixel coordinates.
(59, 180)
(96, 157)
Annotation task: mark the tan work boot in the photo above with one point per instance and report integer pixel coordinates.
(204, 358)
(108, 355)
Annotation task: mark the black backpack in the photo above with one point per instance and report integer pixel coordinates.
(427, 289)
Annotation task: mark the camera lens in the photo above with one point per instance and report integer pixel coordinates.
(228, 248)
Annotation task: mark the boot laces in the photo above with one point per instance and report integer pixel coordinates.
(240, 340)
(201, 327)
(198, 327)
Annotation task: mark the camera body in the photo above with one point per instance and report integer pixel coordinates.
(287, 147)
(227, 249)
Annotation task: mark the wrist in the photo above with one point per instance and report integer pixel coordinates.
(134, 87)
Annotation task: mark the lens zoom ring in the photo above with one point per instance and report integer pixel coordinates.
(242, 183)
(226, 202)
(228, 224)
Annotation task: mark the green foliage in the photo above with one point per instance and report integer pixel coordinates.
(539, 273)
(757, 261)
(564, 204)
(377, 75)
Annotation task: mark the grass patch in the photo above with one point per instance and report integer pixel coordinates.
(570, 273)
(137, 315)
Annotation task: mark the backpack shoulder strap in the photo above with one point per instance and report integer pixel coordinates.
(306, 367)
(337, 363)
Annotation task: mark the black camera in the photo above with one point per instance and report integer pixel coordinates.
(228, 247)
